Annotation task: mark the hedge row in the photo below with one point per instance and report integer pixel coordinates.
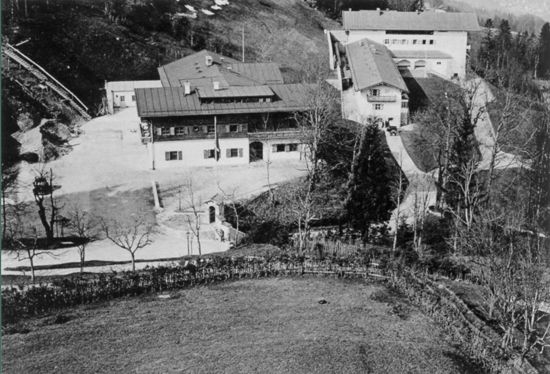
(19, 304)
(475, 337)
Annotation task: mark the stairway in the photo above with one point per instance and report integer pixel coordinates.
(14, 59)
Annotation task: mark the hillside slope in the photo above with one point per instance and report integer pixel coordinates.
(90, 46)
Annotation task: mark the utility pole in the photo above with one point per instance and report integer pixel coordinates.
(243, 41)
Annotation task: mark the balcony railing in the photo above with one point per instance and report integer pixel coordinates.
(381, 99)
(265, 135)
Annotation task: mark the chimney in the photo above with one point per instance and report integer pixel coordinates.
(379, 11)
(187, 87)
(208, 60)
(216, 85)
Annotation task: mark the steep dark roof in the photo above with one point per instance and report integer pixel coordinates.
(413, 21)
(171, 101)
(371, 65)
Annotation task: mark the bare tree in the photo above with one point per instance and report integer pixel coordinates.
(314, 123)
(43, 188)
(83, 227)
(398, 189)
(194, 222)
(130, 236)
(22, 241)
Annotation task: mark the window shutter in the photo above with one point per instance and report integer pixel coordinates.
(205, 153)
(227, 128)
(167, 156)
(186, 130)
(205, 129)
(240, 128)
(228, 152)
(287, 147)
(180, 155)
(274, 148)
(240, 152)
(159, 130)
(172, 131)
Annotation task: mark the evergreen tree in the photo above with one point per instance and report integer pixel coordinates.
(370, 201)
(544, 51)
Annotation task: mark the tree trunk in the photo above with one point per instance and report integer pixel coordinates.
(82, 259)
(133, 261)
(31, 262)
(199, 242)
(44, 220)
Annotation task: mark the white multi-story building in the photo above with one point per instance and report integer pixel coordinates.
(214, 110)
(427, 41)
(375, 87)
(383, 46)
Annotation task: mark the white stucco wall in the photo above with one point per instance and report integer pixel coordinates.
(128, 102)
(389, 110)
(193, 152)
(453, 43)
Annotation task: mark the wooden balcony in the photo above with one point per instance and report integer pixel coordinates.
(382, 99)
(267, 135)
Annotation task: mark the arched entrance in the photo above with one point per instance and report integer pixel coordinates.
(211, 214)
(256, 151)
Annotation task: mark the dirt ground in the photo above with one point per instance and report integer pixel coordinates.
(249, 326)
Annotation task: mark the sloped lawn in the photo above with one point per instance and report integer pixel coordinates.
(249, 326)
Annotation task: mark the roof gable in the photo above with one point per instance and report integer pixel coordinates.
(411, 21)
(372, 65)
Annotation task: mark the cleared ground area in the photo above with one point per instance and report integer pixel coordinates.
(249, 326)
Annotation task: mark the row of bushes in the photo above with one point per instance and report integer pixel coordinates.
(473, 335)
(18, 304)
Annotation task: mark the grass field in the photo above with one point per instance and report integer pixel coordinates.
(249, 326)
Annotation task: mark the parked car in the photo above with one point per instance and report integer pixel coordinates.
(393, 130)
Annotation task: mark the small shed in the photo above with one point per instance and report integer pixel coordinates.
(121, 94)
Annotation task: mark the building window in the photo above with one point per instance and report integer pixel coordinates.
(173, 155)
(234, 152)
(292, 147)
(122, 98)
(424, 41)
(133, 97)
(394, 41)
(180, 130)
(431, 41)
(209, 153)
(438, 62)
(211, 129)
(165, 130)
(233, 128)
(378, 106)
(280, 148)
(196, 129)
(404, 104)
(415, 41)
(375, 92)
(386, 41)
(404, 41)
